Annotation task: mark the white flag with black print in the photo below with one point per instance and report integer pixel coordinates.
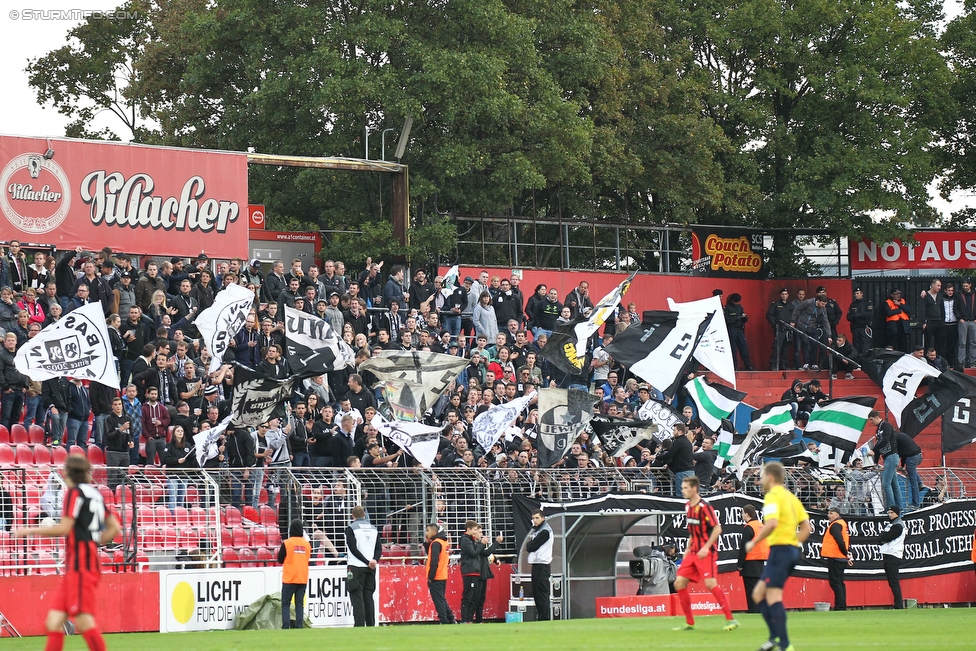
(206, 441)
(77, 346)
(411, 380)
(714, 350)
(312, 346)
(489, 425)
(418, 440)
(662, 415)
(563, 413)
(220, 323)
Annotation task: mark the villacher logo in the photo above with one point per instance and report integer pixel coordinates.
(35, 196)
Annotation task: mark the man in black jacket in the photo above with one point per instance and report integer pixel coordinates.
(56, 394)
(892, 542)
(834, 313)
(735, 319)
(966, 306)
(861, 317)
(680, 459)
(240, 456)
(13, 383)
(778, 315)
(438, 545)
(932, 315)
(476, 556)
(910, 455)
(118, 442)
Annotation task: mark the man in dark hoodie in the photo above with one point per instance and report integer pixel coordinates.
(476, 553)
(438, 547)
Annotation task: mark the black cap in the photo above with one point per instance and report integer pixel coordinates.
(175, 259)
(821, 289)
(468, 279)
(735, 298)
(127, 274)
(783, 289)
(107, 264)
(717, 292)
(896, 291)
(857, 289)
(894, 509)
(333, 293)
(203, 256)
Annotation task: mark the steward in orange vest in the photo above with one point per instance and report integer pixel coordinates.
(835, 548)
(751, 564)
(294, 555)
(438, 561)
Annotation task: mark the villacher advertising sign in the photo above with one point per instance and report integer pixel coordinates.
(929, 250)
(726, 253)
(134, 198)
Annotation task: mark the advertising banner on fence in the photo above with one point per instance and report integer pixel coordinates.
(134, 198)
(205, 600)
(726, 253)
(929, 250)
(939, 541)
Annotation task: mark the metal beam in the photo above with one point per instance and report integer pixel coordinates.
(326, 162)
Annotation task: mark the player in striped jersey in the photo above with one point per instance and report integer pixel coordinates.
(85, 524)
(700, 562)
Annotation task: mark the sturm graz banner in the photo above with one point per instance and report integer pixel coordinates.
(563, 413)
(258, 399)
(939, 537)
(220, 323)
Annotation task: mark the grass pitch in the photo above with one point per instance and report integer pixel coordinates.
(911, 630)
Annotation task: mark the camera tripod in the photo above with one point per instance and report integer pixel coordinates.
(6, 626)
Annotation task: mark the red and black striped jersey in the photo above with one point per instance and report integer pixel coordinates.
(701, 519)
(85, 506)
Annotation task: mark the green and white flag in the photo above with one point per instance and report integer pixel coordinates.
(727, 444)
(777, 416)
(714, 402)
(839, 422)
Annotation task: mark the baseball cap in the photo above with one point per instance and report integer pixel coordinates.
(717, 292)
(321, 300)
(107, 264)
(203, 256)
(127, 274)
(175, 259)
(822, 289)
(857, 289)
(468, 279)
(333, 293)
(255, 262)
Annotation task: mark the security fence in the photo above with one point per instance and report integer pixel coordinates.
(207, 518)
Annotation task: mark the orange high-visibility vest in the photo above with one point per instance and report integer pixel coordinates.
(829, 548)
(298, 552)
(900, 316)
(443, 561)
(760, 551)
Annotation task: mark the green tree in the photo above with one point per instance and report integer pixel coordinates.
(95, 73)
(959, 42)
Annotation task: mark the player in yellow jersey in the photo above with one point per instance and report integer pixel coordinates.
(787, 526)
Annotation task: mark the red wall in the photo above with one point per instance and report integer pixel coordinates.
(130, 602)
(651, 292)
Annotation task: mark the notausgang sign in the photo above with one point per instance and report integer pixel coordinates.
(726, 253)
(929, 250)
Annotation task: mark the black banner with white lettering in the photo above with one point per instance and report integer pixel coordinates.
(939, 541)
(312, 346)
(958, 421)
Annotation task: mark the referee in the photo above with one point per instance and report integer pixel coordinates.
(787, 526)
(364, 547)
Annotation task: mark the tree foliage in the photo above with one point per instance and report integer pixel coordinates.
(775, 114)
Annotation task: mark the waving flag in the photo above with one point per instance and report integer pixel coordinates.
(412, 381)
(618, 435)
(839, 422)
(220, 323)
(489, 425)
(419, 440)
(714, 350)
(312, 346)
(662, 415)
(777, 416)
(714, 401)
(563, 413)
(77, 346)
(567, 345)
(206, 441)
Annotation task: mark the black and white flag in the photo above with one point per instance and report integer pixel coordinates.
(567, 344)
(412, 381)
(489, 425)
(312, 346)
(220, 323)
(77, 346)
(206, 441)
(419, 440)
(958, 423)
(258, 399)
(563, 413)
(760, 443)
(899, 375)
(618, 435)
(660, 347)
(661, 414)
(714, 351)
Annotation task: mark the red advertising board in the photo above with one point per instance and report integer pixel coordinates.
(133, 198)
(255, 217)
(930, 250)
(636, 606)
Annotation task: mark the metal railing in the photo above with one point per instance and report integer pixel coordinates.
(215, 517)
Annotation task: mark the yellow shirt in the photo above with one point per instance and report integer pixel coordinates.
(782, 505)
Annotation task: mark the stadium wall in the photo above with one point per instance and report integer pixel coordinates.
(651, 292)
(129, 602)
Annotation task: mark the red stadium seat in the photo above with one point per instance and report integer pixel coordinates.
(123, 494)
(35, 433)
(198, 517)
(58, 455)
(148, 538)
(274, 537)
(164, 517)
(99, 474)
(7, 456)
(107, 561)
(259, 537)
(239, 537)
(107, 496)
(181, 516)
(77, 449)
(25, 455)
(226, 537)
(118, 558)
(4, 435)
(231, 559)
(251, 513)
(142, 562)
(45, 564)
(247, 556)
(232, 516)
(187, 537)
(42, 455)
(268, 516)
(146, 516)
(168, 538)
(18, 434)
(266, 558)
(96, 456)
(192, 495)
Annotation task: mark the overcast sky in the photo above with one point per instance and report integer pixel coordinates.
(27, 33)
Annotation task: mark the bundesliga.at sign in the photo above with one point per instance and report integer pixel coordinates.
(929, 250)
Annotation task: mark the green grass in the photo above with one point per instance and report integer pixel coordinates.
(912, 630)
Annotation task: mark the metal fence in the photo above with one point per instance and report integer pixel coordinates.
(219, 517)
